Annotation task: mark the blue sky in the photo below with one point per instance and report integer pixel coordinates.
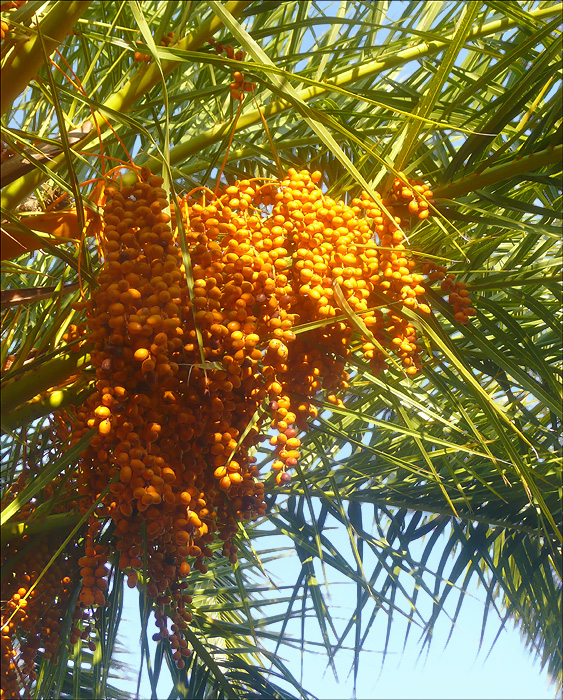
(458, 671)
(459, 668)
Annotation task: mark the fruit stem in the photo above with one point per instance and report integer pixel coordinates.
(58, 521)
(51, 373)
(191, 147)
(139, 85)
(516, 166)
(54, 401)
(28, 59)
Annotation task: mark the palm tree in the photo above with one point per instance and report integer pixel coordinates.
(466, 97)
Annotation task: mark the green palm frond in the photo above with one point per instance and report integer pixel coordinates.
(432, 483)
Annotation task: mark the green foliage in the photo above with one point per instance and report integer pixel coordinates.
(466, 96)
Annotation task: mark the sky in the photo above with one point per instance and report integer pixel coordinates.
(460, 671)
(457, 671)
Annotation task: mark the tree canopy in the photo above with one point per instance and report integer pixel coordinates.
(434, 131)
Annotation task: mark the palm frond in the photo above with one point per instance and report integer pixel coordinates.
(430, 482)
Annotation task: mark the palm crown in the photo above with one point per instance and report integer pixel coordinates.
(373, 97)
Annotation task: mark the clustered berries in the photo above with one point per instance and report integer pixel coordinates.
(37, 618)
(12, 5)
(238, 85)
(187, 374)
(166, 40)
(32, 609)
(4, 7)
(194, 366)
(459, 299)
(228, 50)
(75, 336)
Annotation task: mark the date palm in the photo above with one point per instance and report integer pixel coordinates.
(464, 95)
